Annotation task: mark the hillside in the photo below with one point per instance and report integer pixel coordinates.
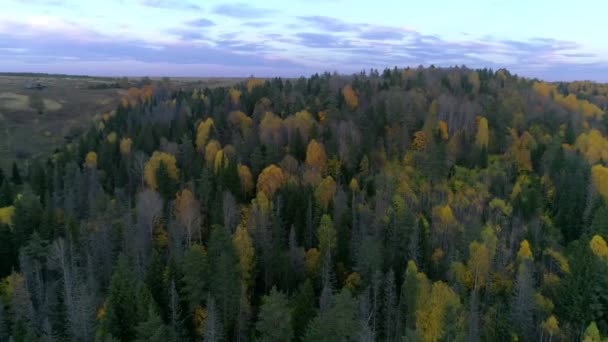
(428, 204)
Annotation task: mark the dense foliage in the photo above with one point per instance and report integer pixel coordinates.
(413, 205)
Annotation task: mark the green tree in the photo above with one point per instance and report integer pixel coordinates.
(303, 306)
(274, 320)
(196, 278)
(327, 236)
(8, 254)
(153, 329)
(27, 216)
(224, 285)
(120, 315)
(339, 323)
(167, 186)
(6, 194)
(16, 177)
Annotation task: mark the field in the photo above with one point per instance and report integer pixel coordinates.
(69, 103)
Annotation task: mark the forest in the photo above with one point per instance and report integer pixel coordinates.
(416, 204)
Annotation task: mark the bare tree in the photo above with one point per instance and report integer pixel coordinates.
(231, 212)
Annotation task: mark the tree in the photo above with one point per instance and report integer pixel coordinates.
(26, 217)
(432, 315)
(303, 308)
(327, 236)
(316, 159)
(592, 333)
(6, 194)
(325, 192)
(350, 97)
(274, 320)
(522, 305)
(443, 130)
(225, 284)
(90, 161)
(235, 96)
(339, 323)
(598, 246)
(125, 146)
(213, 330)
(270, 180)
(551, 327)
(211, 151)
(203, 131)
(153, 164)
(246, 253)
(166, 184)
(483, 135)
(246, 179)
(153, 329)
(15, 176)
(187, 212)
(196, 275)
(599, 175)
(120, 313)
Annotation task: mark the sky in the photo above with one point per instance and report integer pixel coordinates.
(552, 40)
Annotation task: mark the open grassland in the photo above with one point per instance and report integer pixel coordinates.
(69, 104)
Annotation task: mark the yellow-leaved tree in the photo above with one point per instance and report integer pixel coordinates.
(235, 96)
(525, 252)
(244, 248)
(220, 161)
(434, 307)
(325, 192)
(254, 82)
(90, 161)
(443, 130)
(445, 225)
(312, 262)
(483, 133)
(111, 138)
(598, 246)
(316, 159)
(599, 176)
(350, 97)
(270, 129)
(246, 179)
(240, 119)
(125, 146)
(270, 180)
(6, 214)
(152, 166)
(420, 142)
(593, 146)
(299, 123)
(187, 212)
(211, 151)
(202, 134)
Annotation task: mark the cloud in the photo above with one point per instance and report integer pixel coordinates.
(306, 44)
(329, 24)
(45, 2)
(201, 22)
(319, 40)
(170, 4)
(242, 11)
(187, 34)
(382, 34)
(55, 46)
